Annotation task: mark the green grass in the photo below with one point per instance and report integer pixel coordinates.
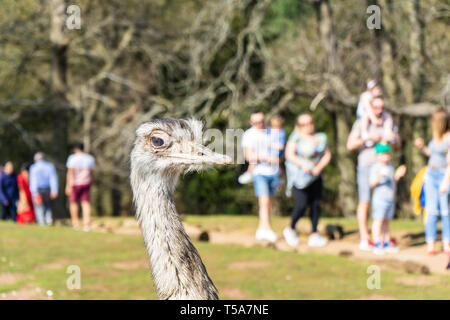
(43, 254)
(230, 223)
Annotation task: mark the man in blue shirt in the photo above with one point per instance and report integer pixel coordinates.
(43, 187)
(9, 192)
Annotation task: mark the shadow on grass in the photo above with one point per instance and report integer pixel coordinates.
(418, 239)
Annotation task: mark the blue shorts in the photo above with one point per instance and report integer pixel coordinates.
(265, 185)
(382, 209)
(362, 180)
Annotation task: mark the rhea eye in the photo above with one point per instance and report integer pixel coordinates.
(157, 142)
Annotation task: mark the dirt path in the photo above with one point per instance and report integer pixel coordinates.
(412, 257)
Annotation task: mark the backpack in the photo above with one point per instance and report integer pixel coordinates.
(418, 193)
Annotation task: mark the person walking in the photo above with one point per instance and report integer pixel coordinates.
(307, 154)
(25, 209)
(43, 188)
(256, 143)
(366, 159)
(80, 174)
(9, 192)
(436, 182)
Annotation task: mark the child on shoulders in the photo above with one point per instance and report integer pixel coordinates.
(365, 113)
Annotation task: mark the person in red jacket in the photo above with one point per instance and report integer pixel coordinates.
(25, 210)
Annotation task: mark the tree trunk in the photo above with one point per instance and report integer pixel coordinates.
(327, 34)
(116, 197)
(88, 114)
(417, 52)
(346, 165)
(417, 49)
(60, 121)
(386, 44)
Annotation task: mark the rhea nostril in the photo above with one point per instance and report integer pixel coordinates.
(201, 154)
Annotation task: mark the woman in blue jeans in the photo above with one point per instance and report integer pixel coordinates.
(436, 181)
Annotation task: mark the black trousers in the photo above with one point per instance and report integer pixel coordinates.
(309, 196)
(9, 211)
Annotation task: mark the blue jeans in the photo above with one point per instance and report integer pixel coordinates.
(43, 210)
(265, 185)
(436, 204)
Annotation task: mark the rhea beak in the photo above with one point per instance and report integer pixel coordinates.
(199, 154)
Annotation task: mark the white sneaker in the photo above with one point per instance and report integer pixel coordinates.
(390, 247)
(316, 240)
(245, 178)
(266, 234)
(290, 236)
(86, 229)
(378, 249)
(365, 245)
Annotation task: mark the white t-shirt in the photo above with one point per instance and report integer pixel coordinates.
(82, 164)
(259, 141)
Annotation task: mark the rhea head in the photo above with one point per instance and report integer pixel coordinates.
(170, 146)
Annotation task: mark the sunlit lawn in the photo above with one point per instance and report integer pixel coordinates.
(114, 266)
(230, 223)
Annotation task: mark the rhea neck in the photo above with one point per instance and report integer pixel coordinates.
(177, 269)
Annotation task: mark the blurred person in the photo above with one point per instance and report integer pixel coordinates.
(277, 136)
(367, 158)
(307, 154)
(383, 179)
(256, 143)
(25, 209)
(366, 114)
(43, 188)
(247, 176)
(80, 174)
(436, 181)
(9, 192)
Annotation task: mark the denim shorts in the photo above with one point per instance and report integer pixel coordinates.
(362, 180)
(382, 209)
(265, 185)
(436, 203)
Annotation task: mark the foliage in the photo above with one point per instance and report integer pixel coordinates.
(135, 61)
